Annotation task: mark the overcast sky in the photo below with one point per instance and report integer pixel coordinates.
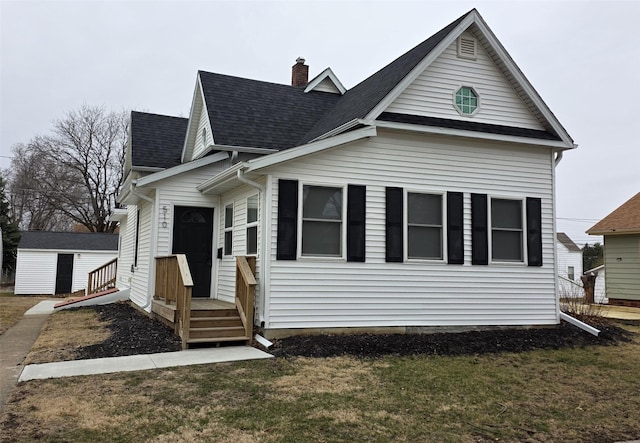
(582, 57)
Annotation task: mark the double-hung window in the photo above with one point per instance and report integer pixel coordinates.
(424, 226)
(252, 224)
(322, 221)
(228, 229)
(507, 230)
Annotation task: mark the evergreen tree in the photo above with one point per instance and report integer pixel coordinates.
(592, 256)
(10, 231)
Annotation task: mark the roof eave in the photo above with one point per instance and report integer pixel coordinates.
(557, 144)
(626, 231)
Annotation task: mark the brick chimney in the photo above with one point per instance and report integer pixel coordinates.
(299, 73)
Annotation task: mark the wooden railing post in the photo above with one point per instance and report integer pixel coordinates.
(245, 289)
(102, 278)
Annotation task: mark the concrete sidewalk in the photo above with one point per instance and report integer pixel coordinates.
(17, 341)
(141, 362)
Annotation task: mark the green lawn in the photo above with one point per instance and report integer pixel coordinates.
(588, 394)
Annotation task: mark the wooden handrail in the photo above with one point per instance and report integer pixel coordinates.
(174, 284)
(103, 277)
(245, 292)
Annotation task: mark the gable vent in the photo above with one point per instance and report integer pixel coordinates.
(467, 47)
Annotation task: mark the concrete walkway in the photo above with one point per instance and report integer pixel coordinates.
(17, 341)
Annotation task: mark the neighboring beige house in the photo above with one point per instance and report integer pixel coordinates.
(621, 231)
(569, 256)
(421, 197)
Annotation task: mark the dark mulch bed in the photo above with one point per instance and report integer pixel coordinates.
(132, 332)
(462, 343)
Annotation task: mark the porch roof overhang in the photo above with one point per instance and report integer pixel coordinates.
(118, 214)
(228, 179)
(184, 167)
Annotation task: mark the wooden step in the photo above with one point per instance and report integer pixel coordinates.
(213, 313)
(212, 322)
(216, 332)
(218, 340)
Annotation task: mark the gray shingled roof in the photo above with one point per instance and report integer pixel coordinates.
(362, 98)
(156, 140)
(565, 240)
(75, 241)
(253, 113)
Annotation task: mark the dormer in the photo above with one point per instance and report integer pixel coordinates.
(326, 81)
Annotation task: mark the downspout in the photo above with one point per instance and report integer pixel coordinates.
(564, 316)
(556, 286)
(152, 245)
(263, 243)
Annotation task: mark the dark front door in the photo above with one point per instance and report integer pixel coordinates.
(64, 273)
(193, 236)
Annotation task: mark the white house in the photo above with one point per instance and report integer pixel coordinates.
(421, 197)
(569, 256)
(59, 262)
(599, 289)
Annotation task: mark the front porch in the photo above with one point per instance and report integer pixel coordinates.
(203, 320)
(212, 321)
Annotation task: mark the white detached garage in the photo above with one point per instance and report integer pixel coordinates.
(59, 262)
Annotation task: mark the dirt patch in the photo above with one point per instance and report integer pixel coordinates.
(463, 343)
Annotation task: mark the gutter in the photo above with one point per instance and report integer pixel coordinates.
(152, 245)
(575, 322)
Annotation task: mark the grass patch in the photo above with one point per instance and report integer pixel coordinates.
(64, 332)
(13, 307)
(587, 394)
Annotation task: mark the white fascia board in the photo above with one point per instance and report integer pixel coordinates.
(327, 73)
(118, 214)
(520, 78)
(470, 134)
(247, 149)
(340, 129)
(310, 148)
(184, 167)
(224, 176)
(198, 92)
(420, 67)
(147, 169)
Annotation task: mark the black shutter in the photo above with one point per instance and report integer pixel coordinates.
(394, 224)
(479, 238)
(455, 234)
(356, 214)
(534, 232)
(287, 241)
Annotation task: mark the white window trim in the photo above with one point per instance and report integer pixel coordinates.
(229, 229)
(455, 106)
(253, 224)
(343, 230)
(405, 228)
(523, 240)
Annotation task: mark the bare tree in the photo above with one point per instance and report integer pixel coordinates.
(33, 209)
(77, 171)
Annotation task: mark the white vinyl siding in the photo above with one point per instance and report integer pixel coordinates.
(125, 248)
(203, 125)
(140, 277)
(622, 262)
(327, 85)
(567, 258)
(35, 272)
(227, 266)
(432, 93)
(181, 191)
(36, 269)
(326, 293)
